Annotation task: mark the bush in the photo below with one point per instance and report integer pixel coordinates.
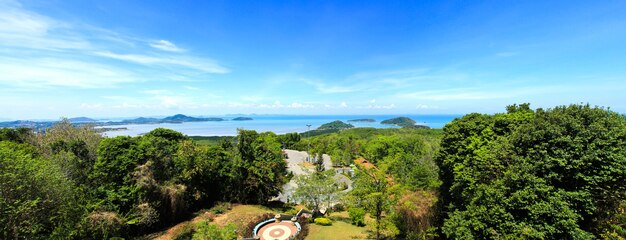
(220, 208)
(207, 231)
(339, 207)
(323, 221)
(291, 212)
(357, 216)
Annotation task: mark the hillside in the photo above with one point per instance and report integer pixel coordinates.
(185, 118)
(81, 119)
(362, 120)
(242, 119)
(400, 121)
(335, 125)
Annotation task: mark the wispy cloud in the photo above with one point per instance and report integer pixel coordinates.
(166, 46)
(386, 80)
(424, 106)
(40, 51)
(53, 72)
(204, 65)
(460, 94)
(507, 54)
(376, 106)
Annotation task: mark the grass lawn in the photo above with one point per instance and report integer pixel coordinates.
(241, 215)
(339, 230)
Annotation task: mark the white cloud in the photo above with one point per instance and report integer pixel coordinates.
(21, 28)
(390, 106)
(155, 91)
(91, 106)
(300, 105)
(166, 46)
(460, 94)
(52, 72)
(424, 106)
(372, 101)
(39, 51)
(343, 105)
(197, 64)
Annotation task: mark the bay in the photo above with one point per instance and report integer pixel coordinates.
(279, 124)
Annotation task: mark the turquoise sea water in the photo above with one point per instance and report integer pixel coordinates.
(276, 123)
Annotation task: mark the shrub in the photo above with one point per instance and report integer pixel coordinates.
(207, 231)
(220, 208)
(291, 212)
(357, 216)
(323, 221)
(339, 207)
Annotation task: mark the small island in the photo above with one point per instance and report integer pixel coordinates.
(404, 122)
(362, 120)
(335, 125)
(179, 118)
(331, 127)
(81, 120)
(242, 119)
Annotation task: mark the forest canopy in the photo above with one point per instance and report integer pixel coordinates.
(544, 174)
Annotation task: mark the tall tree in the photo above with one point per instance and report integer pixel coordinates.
(258, 171)
(317, 190)
(373, 190)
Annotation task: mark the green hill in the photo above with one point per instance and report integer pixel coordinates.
(400, 121)
(335, 125)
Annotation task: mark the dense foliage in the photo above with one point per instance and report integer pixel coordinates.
(406, 154)
(70, 183)
(524, 174)
(403, 163)
(544, 174)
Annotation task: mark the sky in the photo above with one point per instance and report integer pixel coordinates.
(120, 58)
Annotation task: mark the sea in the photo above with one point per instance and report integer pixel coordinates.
(279, 124)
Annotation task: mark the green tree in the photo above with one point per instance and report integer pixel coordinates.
(317, 190)
(289, 140)
(258, 171)
(553, 173)
(374, 192)
(37, 201)
(319, 163)
(19, 135)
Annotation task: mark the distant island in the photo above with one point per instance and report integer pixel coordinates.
(179, 118)
(242, 119)
(335, 125)
(331, 127)
(404, 122)
(78, 121)
(81, 119)
(362, 120)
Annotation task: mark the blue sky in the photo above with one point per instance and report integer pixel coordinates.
(120, 58)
